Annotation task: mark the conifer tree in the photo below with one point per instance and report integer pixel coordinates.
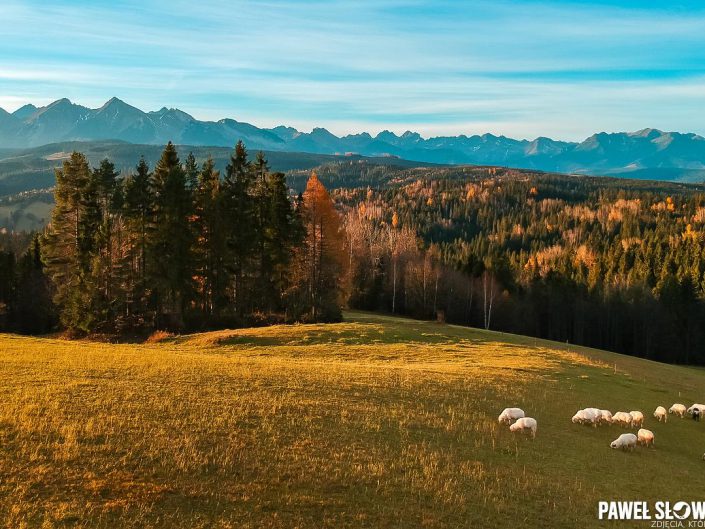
(239, 213)
(70, 241)
(101, 199)
(170, 247)
(282, 233)
(32, 311)
(211, 245)
(192, 172)
(262, 265)
(138, 209)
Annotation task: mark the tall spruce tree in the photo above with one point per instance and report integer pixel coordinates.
(239, 213)
(282, 233)
(211, 245)
(70, 241)
(103, 203)
(192, 172)
(32, 310)
(171, 242)
(138, 209)
(262, 266)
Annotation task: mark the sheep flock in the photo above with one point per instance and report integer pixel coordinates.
(519, 423)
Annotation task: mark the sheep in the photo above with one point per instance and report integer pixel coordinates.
(645, 437)
(510, 414)
(699, 407)
(622, 419)
(587, 416)
(525, 425)
(624, 442)
(660, 414)
(677, 409)
(637, 419)
(605, 416)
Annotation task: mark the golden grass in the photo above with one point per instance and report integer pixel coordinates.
(375, 422)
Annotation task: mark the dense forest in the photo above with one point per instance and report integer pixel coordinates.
(178, 248)
(601, 262)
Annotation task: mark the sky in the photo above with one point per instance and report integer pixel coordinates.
(522, 68)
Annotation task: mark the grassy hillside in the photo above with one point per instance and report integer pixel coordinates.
(375, 422)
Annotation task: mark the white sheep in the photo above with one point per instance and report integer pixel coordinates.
(605, 416)
(587, 416)
(700, 407)
(622, 419)
(637, 419)
(525, 425)
(510, 415)
(645, 437)
(624, 442)
(660, 414)
(678, 409)
(597, 412)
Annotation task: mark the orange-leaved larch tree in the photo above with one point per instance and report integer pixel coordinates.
(320, 263)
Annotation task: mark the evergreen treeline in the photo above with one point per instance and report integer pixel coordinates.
(180, 247)
(605, 263)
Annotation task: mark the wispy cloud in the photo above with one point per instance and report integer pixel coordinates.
(522, 68)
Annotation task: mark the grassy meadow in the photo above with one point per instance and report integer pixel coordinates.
(375, 422)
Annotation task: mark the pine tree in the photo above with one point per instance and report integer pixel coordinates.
(32, 310)
(211, 246)
(170, 267)
(282, 233)
(192, 172)
(102, 202)
(138, 209)
(239, 213)
(70, 241)
(265, 295)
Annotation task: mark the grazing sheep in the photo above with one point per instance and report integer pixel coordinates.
(637, 419)
(677, 409)
(510, 415)
(622, 418)
(645, 437)
(587, 416)
(660, 414)
(525, 425)
(605, 416)
(699, 407)
(626, 441)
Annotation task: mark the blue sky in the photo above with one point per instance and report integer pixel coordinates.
(522, 68)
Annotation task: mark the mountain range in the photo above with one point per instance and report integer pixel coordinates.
(648, 153)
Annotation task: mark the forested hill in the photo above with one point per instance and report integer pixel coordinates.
(610, 263)
(600, 262)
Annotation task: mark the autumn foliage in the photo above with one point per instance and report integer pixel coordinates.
(319, 262)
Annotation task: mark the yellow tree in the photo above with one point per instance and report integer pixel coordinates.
(401, 245)
(320, 263)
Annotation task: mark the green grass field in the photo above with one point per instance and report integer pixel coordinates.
(375, 422)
